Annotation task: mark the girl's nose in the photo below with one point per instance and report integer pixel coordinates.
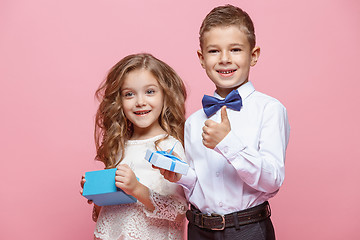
(140, 101)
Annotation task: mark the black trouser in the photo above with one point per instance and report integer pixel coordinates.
(262, 230)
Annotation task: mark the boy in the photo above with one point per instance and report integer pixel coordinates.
(236, 154)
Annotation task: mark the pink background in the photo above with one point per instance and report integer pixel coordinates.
(53, 55)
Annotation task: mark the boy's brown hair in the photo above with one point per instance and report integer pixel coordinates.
(228, 15)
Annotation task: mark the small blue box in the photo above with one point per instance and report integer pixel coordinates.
(101, 189)
(173, 164)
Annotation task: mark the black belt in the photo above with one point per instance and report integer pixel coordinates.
(236, 219)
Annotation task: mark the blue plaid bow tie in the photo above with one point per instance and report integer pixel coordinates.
(211, 104)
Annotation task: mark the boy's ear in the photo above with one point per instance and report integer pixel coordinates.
(255, 54)
(201, 58)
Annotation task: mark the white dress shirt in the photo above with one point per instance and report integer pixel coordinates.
(247, 167)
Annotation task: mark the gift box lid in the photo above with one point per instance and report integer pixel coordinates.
(166, 161)
(101, 189)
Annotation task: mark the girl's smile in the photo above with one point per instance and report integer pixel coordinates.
(142, 99)
(142, 113)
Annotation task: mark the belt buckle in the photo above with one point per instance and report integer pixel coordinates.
(222, 221)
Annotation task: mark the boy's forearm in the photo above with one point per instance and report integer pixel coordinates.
(267, 162)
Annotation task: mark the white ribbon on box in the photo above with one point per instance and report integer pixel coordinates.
(165, 160)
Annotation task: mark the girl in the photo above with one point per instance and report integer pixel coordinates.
(141, 107)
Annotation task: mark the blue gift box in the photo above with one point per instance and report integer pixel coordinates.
(166, 161)
(101, 189)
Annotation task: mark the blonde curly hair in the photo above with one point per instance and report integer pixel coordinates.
(113, 129)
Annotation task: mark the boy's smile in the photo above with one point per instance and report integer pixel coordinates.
(226, 57)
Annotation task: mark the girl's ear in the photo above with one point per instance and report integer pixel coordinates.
(255, 54)
(201, 58)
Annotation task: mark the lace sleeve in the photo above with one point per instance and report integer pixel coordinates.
(169, 207)
(94, 214)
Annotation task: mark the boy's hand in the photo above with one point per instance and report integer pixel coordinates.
(169, 175)
(125, 179)
(214, 132)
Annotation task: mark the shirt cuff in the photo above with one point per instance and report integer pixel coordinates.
(188, 181)
(230, 146)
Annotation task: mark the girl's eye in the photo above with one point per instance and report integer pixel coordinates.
(236, 50)
(128, 94)
(150, 91)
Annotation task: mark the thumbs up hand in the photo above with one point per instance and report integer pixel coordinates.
(214, 132)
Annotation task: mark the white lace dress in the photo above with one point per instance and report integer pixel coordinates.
(133, 221)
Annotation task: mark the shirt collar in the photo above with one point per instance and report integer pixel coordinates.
(244, 90)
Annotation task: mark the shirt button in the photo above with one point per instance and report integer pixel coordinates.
(217, 174)
(220, 204)
(226, 149)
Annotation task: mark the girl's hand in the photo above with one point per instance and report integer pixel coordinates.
(82, 182)
(126, 180)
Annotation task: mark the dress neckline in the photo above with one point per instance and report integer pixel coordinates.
(142, 141)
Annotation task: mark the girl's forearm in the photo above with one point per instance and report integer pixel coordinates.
(95, 213)
(142, 194)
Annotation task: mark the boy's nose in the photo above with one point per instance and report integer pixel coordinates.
(225, 58)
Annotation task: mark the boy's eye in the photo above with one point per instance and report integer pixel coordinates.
(236, 50)
(213, 51)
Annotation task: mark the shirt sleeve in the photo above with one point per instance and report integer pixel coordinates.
(188, 181)
(261, 167)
